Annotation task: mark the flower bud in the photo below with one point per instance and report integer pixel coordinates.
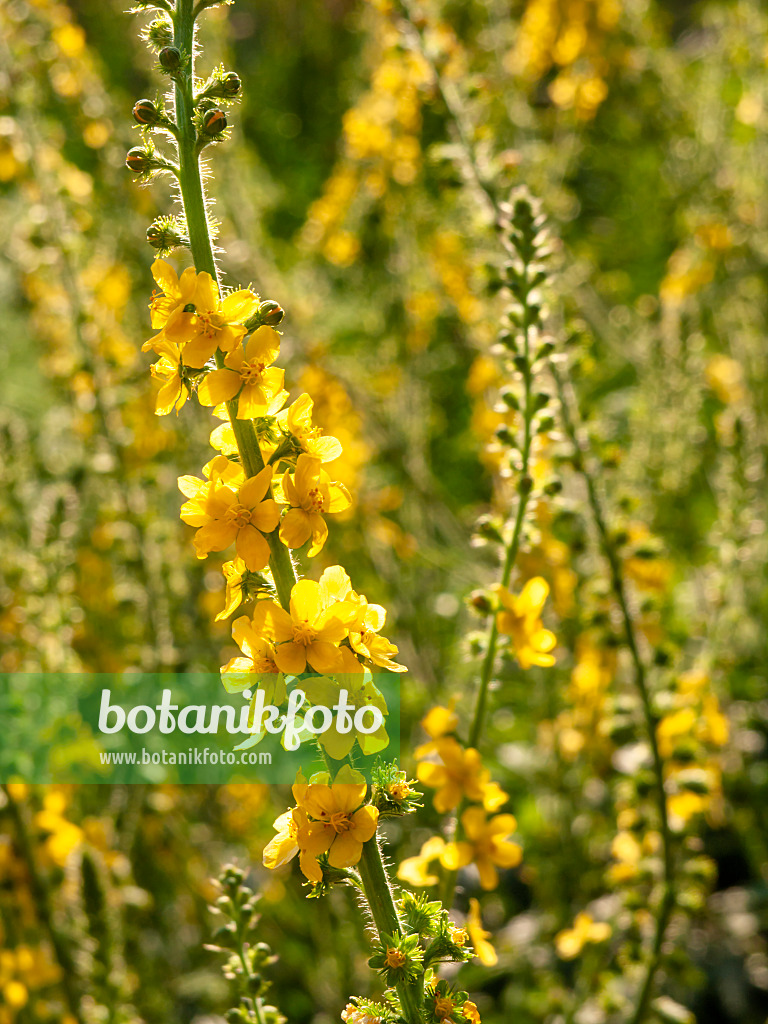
(230, 84)
(145, 112)
(270, 313)
(214, 121)
(480, 601)
(159, 32)
(170, 58)
(487, 527)
(138, 159)
(163, 235)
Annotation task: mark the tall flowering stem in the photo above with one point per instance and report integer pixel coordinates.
(667, 902)
(194, 203)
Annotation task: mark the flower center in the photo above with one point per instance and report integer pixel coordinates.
(395, 957)
(313, 501)
(250, 373)
(210, 323)
(399, 790)
(303, 633)
(339, 822)
(239, 515)
(443, 1007)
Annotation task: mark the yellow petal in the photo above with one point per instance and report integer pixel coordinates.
(219, 386)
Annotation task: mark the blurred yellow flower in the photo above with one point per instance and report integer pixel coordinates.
(484, 951)
(415, 870)
(458, 773)
(485, 846)
(570, 942)
(520, 618)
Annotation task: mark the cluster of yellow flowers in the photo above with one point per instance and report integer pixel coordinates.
(688, 735)
(459, 778)
(571, 36)
(381, 144)
(583, 725)
(328, 626)
(23, 971)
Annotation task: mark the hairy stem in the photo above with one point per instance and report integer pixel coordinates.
(193, 200)
(379, 896)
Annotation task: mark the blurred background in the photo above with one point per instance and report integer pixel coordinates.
(345, 196)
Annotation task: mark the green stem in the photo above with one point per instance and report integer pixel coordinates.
(379, 896)
(667, 903)
(193, 200)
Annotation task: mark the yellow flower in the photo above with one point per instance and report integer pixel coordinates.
(215, 324)
(234, 573)
(485, 845)
(415, 870)
(297, 421)
(259, 660)
(470, 1011)
(224, 516)
(291, 829)
(570, 942)
(310, 492)
(15, 995)
(250, 372)
(309, 632)
(520, 618)
(365, 639)
(173, 393)
(339, 824)
(176, 293)
(484, 951)
(437, 722)
(458, 773)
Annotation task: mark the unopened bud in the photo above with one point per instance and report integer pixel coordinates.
(159, 32)
(214, 121)
(270, 313)
(163, 235)
(145, 112)
(487, 528)
(138, 159)
(230, 84)
(504, 435)
(510, 399)
(170, 58)
(480, 602)
(525, 485)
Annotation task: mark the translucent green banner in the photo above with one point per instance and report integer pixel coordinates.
(140, 727)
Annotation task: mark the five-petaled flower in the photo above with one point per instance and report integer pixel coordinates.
(310, 632)
(310, 493)
(224, 516)
(520, 618)
(485, 845)
(249, 373)
(216, 323)
(458, 773)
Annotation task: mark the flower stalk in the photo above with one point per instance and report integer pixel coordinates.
(667, 901)
(201, 246)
